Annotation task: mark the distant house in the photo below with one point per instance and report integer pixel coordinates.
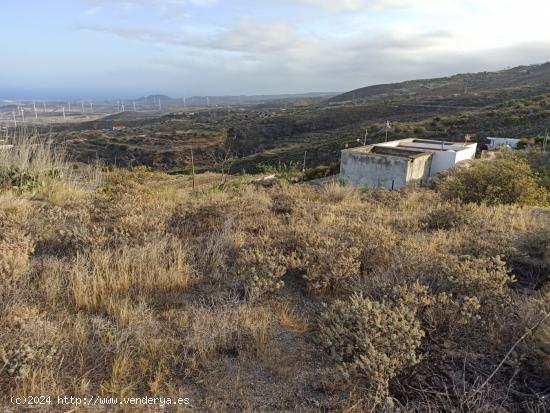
(4, 146)
(502, 143)
(119, 127)
(395, 164)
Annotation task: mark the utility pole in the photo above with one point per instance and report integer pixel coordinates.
(193, 169)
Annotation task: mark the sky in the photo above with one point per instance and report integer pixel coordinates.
(130, 48)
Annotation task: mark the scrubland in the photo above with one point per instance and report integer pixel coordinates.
(289, 298)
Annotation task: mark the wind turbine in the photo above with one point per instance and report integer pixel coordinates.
(44, 103)
(69, 102)
(35, 111)
(135, 107)
(64, 118)
(82, 106)
(14, 120)
(22, 114)
(122, 107)
(91, 107)
(160, 105)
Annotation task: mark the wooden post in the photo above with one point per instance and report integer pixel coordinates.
(192, 169)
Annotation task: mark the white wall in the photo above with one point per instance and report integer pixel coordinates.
(441, 161)
(466, 154)
(498, 142)
(374, 171)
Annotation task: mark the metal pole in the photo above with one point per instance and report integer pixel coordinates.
(193, 169)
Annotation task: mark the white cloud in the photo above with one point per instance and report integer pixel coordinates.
(336, 51)
(165, 8)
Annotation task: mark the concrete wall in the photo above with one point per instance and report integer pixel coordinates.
(448, 159)
(419, 169)
(441, 161)
(374, 171)
(466, 154)
(496, 143)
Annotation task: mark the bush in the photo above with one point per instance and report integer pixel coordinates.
(330, 253)
(14, 258)
(537, 244)
(506, 180)
(261, 270)
(371, 341)
(449, 216)
(31, 163)
(335, 192)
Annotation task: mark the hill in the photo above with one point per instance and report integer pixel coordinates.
(534, 78)
(514, 103)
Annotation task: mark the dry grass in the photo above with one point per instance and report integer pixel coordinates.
(290, 318)
(34, 154)
(138, 287)
(101, 279)
(336, 192)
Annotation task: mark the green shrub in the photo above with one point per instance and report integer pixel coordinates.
(286, 171)
(513, 118)
(14, 177)
(371, 341)
(506, 180)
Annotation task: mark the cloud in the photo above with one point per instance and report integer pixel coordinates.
(164, 8)
(357, 5)
(346, 44)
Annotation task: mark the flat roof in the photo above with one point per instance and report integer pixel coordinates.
(393, 151)
(411, 148)
(397, 151)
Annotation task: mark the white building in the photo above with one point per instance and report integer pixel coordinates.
(502, 143)
(393, 165)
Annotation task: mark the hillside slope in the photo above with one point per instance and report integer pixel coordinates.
(534, 77)
(282, 299)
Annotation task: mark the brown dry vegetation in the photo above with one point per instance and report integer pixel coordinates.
(283, 299)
